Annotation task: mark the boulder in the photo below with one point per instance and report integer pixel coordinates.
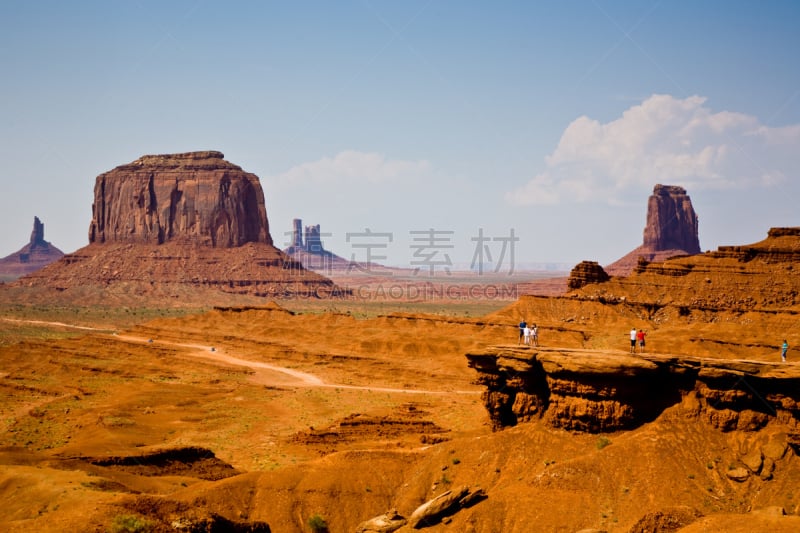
(446, 504)
(753, 461)
(385, 523)
(738, 474)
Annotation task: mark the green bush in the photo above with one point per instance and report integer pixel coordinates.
(602, 442)
(318, 524)
(130, 524)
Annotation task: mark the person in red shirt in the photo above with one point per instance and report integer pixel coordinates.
(640, 339)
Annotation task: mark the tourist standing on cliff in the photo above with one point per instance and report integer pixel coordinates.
(522, 326)
(640, 338)
(784, 349)
(535, 335)
(527, 335)
(633, 340)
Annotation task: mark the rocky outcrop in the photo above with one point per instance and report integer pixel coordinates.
(754, 277)
(782, 245)
(671, 230)
(445, 504)
(193, 197)
(167, 225)
(596, 391)
(31, 257)
(584, 273)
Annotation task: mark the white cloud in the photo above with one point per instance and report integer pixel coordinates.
(352, 166)
(662, 140)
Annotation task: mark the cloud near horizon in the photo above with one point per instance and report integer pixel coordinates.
(662, 140)
(351, 166)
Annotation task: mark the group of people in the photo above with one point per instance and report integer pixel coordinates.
(528, 334)
(637, 337)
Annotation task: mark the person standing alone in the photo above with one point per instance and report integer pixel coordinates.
(784, 349)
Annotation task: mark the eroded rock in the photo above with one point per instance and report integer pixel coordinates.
(385, 523)
(446, 504)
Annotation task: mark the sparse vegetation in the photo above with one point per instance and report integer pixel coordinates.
(318, 524)
(131, 524)
(602, 442)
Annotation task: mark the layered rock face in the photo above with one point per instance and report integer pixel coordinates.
(591, 390)
(671, 230)
(671, 221)
(584, 273)
(172, 224)
(31, 257)
(759, 277)
(192, 197)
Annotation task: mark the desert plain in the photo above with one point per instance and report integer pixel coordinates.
(304, 415)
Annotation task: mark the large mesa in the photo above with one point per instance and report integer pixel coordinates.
(173, 224)
(196, 196)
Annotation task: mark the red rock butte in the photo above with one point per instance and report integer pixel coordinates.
(671, 230)
(197, 197)
(174, 223)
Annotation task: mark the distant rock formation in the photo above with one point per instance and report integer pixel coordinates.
(753, 277)
(307, 248)
(671, 230)
(310, 242)
(169, 224)
(196, 197)
(584, 273)
(31, 257)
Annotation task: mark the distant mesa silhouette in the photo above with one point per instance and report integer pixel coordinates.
(36, 254)
(181, 220)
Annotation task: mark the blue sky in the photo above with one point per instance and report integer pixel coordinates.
(551, 119)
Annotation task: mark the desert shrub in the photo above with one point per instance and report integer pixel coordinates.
(318, 524)
(602, 442)
(127, 523)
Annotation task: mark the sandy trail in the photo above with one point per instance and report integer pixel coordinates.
(264, 372)
(267, 374)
